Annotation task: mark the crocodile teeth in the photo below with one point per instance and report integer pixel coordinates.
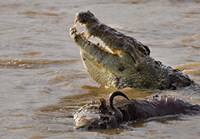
(89, 36)
(74, 27)
(73, 30)
(82, 33)
(75, 21)
(100, 46)
(97, 44)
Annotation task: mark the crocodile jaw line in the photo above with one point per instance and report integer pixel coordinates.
(92, 39)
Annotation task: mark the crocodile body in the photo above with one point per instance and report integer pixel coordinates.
(100, 115)
(123, 62)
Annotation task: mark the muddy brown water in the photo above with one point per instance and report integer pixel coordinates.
(42, 78)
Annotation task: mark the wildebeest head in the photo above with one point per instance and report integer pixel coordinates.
(95, 115)
(99, 115)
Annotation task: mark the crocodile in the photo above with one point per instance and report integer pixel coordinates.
(123, 61)
(100, 115)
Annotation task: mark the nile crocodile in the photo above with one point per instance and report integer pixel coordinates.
(124, 62)
(100, 115)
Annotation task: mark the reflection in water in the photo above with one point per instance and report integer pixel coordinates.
(192, 69)
(186, 66)
(32, 13)
(18, 63)
(31, 53)
(94, 93)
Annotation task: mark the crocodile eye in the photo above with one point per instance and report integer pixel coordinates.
(82, 18)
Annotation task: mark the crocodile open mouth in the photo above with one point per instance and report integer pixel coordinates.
(105, 37)
(81, 30)
(100, 35)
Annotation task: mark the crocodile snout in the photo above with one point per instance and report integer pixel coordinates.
(85, 17)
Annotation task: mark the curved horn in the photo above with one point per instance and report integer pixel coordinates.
(117, 112)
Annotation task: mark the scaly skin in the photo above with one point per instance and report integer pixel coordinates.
(128, 64)
(99, 115)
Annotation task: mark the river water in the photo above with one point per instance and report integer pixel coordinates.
(42, 78)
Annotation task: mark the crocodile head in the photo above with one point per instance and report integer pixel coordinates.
(114, 64)
(120, 61)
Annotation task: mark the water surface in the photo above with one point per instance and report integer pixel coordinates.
(42, 78)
